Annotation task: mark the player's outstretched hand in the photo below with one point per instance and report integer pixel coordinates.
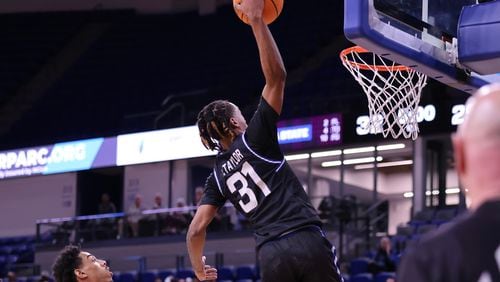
(209, 273)
(251, 8)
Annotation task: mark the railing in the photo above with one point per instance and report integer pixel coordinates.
(374, 223)
(113, 226)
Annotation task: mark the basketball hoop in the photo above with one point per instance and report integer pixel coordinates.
(393, 91)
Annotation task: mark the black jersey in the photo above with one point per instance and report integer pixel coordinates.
(466, 251)
(254, 176)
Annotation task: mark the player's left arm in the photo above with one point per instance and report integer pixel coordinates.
(195, 239)
(270, 57)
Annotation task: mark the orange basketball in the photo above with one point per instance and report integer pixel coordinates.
(272, 9)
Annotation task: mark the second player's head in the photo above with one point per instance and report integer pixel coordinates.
(219, 123)
(74, 265)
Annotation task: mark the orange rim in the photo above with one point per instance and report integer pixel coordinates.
(360, 50)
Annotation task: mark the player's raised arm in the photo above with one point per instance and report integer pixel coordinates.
(270, 58)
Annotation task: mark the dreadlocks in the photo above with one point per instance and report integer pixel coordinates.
(214, 123)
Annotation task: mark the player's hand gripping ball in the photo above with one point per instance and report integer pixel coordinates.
(272, 9)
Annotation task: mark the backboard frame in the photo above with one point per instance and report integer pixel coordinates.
(436, 58)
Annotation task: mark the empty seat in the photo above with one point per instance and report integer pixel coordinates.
(426, 228)
(126, 277)
(162, 274)
(424, 216)
(225, 273)
(359, 265)
(406, 230)
(185, 273)
(147, 276)
(245, 272)
(444, 215)
(383, 276)
(362, 277)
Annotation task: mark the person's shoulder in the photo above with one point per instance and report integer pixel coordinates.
(265, 110)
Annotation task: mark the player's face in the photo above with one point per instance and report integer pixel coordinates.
(95, 270)
(238, 119)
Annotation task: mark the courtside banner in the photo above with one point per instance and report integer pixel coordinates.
(161, 145)
(58, 158)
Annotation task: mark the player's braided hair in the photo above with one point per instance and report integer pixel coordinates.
(214, 123)
(65, 264)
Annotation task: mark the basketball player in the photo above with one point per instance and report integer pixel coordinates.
(75, 265)
(468, 249)
(251, 172)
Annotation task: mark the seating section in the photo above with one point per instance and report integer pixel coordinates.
(243, 273)
(16, 251)
(28, 43)
(142, 59)
(422, 223)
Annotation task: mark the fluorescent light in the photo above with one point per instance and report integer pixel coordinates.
(359, 150)
(385, 164)
(330, 164)
(326, 154)
(408, 194)
(351, 161)
(391, 147)
(296, 157)
(434, 192)
(452, 191)
(362, 160)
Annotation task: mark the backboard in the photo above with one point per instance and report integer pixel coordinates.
(421, 34)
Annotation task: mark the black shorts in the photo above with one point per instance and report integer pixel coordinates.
(304, 255)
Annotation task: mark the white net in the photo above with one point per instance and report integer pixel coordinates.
(393, 92)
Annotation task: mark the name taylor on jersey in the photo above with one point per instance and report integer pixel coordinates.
(232, 163)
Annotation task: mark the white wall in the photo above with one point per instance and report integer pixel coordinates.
(320, 189)
(399, 213)
(146, 180)
(24, 200)
(395, 183)
(180, 181)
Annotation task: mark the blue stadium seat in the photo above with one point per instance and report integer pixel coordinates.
(225, 273)
(185, 273)
(362, 277)
(245, 272)
(359, 265)
(162, 274)
(423, 217)
(126, 277)
(407, 230)
(383, 276)
(422, 229)
(444, 215)
(33, 278)
(12, 259)
(147, 276)
(5, 250)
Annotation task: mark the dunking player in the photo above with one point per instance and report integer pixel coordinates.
(251, 172)
(469, 249)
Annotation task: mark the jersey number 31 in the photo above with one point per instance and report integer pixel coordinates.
(242, 176)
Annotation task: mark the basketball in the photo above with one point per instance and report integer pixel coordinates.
(272, 9)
